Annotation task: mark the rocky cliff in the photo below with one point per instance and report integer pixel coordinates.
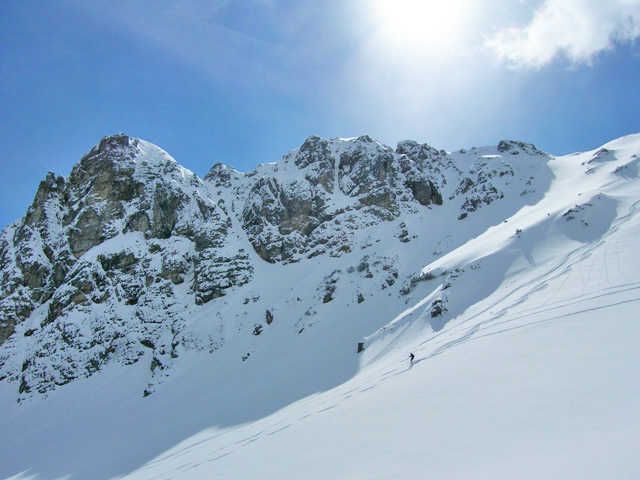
(134, 257)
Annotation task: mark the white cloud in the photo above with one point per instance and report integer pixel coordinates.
(575, 29)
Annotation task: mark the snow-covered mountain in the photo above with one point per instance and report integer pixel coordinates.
(135, 258)
(157, 324)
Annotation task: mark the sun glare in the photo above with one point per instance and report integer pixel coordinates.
(429, 27)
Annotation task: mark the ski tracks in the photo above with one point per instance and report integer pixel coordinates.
(521, 294)
(462, 334)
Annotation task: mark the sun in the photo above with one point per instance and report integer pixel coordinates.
(427, 27)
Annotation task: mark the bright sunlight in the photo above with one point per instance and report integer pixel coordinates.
(423, 27)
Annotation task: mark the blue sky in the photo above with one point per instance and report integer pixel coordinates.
(244, 81)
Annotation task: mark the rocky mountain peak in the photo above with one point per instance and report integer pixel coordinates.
(514, 147)
(316, 156)
(115, 143)
(220, 175)
(111, 263)
(51, 186)
(112, 148)
(417, 151)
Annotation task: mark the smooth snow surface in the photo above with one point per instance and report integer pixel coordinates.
(532, 376)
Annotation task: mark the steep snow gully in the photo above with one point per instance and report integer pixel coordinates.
(155, 325)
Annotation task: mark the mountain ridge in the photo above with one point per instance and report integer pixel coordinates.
(106, 262)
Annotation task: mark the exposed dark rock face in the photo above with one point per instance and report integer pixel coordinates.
(280, 219)
(424, 192)
(215, 273)
(97, 188)
(289, 220)
(103, 251)
(315, 157)
(221, 175)
(515, 147)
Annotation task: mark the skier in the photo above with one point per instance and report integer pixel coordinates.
(411, 357)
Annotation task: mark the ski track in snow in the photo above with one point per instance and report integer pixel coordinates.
(539, 283)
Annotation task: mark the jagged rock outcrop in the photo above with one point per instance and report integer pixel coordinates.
(97, 252)
(325, 184)
(119, 261)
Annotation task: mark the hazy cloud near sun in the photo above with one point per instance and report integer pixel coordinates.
(575, 29)
(388, 67)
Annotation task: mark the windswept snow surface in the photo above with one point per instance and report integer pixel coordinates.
(530, 372)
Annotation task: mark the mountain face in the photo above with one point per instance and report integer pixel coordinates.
(158, 325)
(134, 258)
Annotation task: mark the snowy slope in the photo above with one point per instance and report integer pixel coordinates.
(522, 315)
